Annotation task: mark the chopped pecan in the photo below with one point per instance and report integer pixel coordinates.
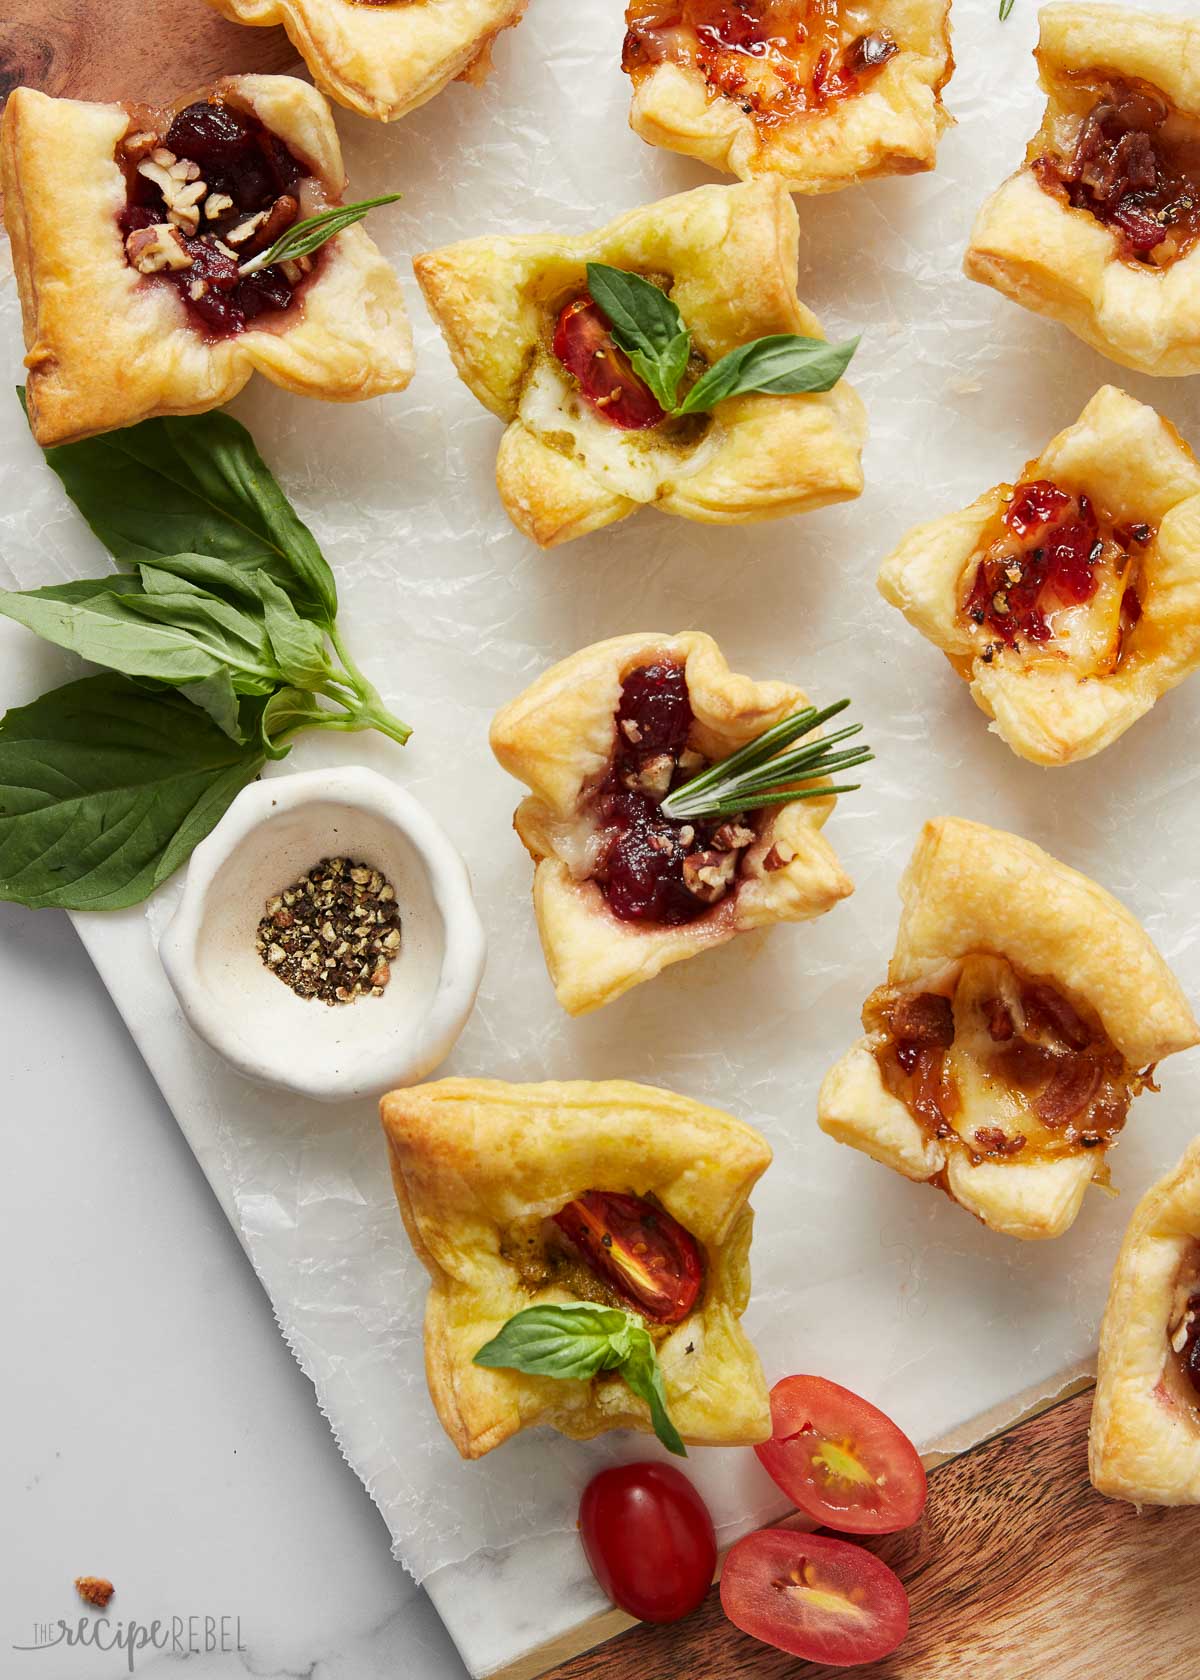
(152, 249)
(707, 874)
(653, 777)
(276, 221)
(779, 856)
(733, 835)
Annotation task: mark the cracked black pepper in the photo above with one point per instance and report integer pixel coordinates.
(333, 934)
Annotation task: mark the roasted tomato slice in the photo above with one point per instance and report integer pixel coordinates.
(645, 1255)
(584, 345)
(649, 1539)
(840, 1460)
(825, 1600)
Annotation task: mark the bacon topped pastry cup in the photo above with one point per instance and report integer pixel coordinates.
(1145, 1436)
(131, 229)
(1070, 601)
(508, 1192)
(1024, 1009)
(820, 93)
(383, 58)
(575, 457)
(621, 890)
(1100, 227)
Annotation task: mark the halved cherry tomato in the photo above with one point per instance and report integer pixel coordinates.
(649, 1539)
(645, 1255)
(585, 346)
(840, 1460)
(821, 1599)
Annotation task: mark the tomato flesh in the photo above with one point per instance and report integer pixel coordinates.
(824, 1600)
(841, 1460)
(649, 1540)
(646, 1256)
(584, 344)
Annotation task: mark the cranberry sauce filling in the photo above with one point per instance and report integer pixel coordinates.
(1051, 554)
(1131, 175)
(652, 868)
(217, 189)
(774, 58)
(584, 344)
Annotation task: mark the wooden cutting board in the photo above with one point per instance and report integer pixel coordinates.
(1019, 1571)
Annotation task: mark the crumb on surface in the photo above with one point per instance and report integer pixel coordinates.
(94, 1589)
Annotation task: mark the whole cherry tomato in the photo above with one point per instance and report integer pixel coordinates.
(840, 1460)
(649, 1539)
(821, 1599)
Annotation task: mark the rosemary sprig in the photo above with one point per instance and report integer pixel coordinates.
(765, 771)
(303, 238)
(1006, 7)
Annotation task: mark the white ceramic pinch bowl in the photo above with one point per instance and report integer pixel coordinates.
(274, 832)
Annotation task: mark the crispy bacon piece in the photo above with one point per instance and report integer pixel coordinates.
(993, 1141)
(923, 1019)
(1072, 1088)
(1049, 1010)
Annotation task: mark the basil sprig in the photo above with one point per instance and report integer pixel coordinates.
(222, 643)
(578, 1341)
(303, 238)
(648, 327)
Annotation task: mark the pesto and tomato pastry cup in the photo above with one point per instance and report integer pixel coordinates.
(1024, 1009)
(1098, 229)
(621, 887)
(588, 441)
(383, 58)
(135, 233)
(1070, 600)
(1144, 1444)
(819, 95)
(530, 1203)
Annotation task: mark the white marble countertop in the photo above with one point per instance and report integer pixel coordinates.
(155, 1428)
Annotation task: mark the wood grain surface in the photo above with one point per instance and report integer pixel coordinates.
(1017, 1571)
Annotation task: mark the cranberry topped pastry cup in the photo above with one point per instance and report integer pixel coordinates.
(820, 93)
(587, 442)
(383, 58)
(1145, 1436)
(134, 233)
(620, 889)
(1069, 601)
(1099, 228)
(1024, 1009)
(622, 1195)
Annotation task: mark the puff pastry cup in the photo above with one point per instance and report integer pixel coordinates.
(728, 257)
(1145, 1435)
(818, 95)
(110, 343)
(383, 58)
(480, 1165)
(1024, 1009)
(1098, 228)
(604, 927)
(1071, 601)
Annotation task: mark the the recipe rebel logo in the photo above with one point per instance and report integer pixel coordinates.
(177, 1636)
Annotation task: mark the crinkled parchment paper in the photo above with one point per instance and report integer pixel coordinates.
(858, 1274)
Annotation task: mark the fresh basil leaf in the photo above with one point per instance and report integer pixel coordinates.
(216, 695)
(105, 788)
(232, 637)
(782, 365)
(664, 373)
(288, 710)
(570, 1341)
(195, 484)
(645, 324)
(303, 238)
(99, 623)
(298, 645)
(218, 577)
(643, 1374)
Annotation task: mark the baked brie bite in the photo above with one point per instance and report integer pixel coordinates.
(1024, 1010)
(820, 93)
(135, 233)
(1099, 227)
(1145, 1436)
(620, 889)
(1069, 600)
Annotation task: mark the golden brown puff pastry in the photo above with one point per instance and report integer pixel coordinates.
(383, 58)
(1145, 1435)
(110, 343)
(819, 94)
(1098, 229)
(578, 738)
(480, 1166)
(1022, 1008)
(728, 258)
(1071, 601)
